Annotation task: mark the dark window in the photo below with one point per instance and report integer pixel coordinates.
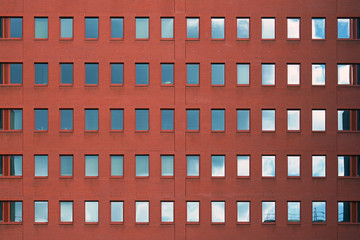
(66, 119)
(218, 120)
(167, 73)
(41, 73)
(117, 27)
(192, 70)
(91, 73)
(41, 119)
(117, 73)
(142, 119)
(91, 119)
(10, 211)
(16, 73)
(15, 27)
(117, 118)
(142, 73)
(91, 27)
(10, 119)
(193, 116)
(167, 119)
(10, 165)
(66, 73)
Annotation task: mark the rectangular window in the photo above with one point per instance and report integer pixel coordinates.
(192, 73)
(91, 27)
(243, 27)
(10, 211)
(344, 211)
(192, 211)
(268, 120)
(217, 166)
(91, 119)
(293, 117)
(117, 165)
(348, 74)
(117, 211)
(142, 165)
(11, 27)
(142, 212)
(91, 165)
(243, 120)
(217, 28)
(193, 119)
(293, 166)
(167, 28)
(318, 28)
(142, 28)
(193, 166)
(41, 211)
(92, 211)
(268, 74)
(293, 74)
(243, 166)
(11, 73)
(217, 120)
(167, 119)
(167, 73)
(318, 212)
(268, 28)
(243, 73)
(117, 119)
(66, 25)
(348, 120)
(66, 73)
(319, 166)
(268, 166)
(349, 166)
(66, 119)
(91, 73)
(142, 73)
(217, 74)
(142, 119)
(293, 211)
(41, 165)
(348, 28)
(218, 212)
(66, 168)
(117, 73)
(293, 28)
(268, 212)
(167, 212)
(41, 27)
(117, 27)
(11, 119)
(318, 74)
(66, 211)
(243, 212)
(10, 165)
(318, 120)
(192, 27)
(167, 166)
(41, 119)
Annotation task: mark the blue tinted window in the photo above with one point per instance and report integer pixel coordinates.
(117, 73)
(192, 73)
(218, 120)
(41, 119)
(142, 165)
(66, 73)
(193, 119)
(193, 166)
(117, 118)
(167, 73)
(218, 28)
(41, 166)
(142, 119)
(66, 27)
(268, 120)
(15, 27)
(243, 121)
(318, 28)
(91, 165)
(192, 25)
(91, 73)
(217, 74)
(218, 166)
(91, 119)
(268, 74)
(142, 73)
(167, 119)
(117, 165)
(117, 27)
(91, 27)
(16, 73)
(41, 73)
(243, 27)
(15, 119)
(41, 27)
(343, 28)
(167, 165)
(243, 72)
(142, 28)
(167, 27)
(66, 165)
(66, 119)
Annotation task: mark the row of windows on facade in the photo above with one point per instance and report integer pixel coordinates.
(12, 73)
(12, 28)
(11, 211)
(11, 166)
(12, 120)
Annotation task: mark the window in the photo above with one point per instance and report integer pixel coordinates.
(349, 120)
(167, 28)
(217, 74)
(167, 73)
(243, 26)
(167, 119)
(117, 119)
(192, 211)
(243, 73)
(217, 28)
(12, 30)
(66, 211)
(91, 211)
(293, 120)
(268, 120)
(41, 119)
(66, 119)
(91, 166)
(218, 212)
(217, 166)
(349, 166)
(268, 73)
(66, 168)
(10, 119)
(91, 73)
(243, 212)
(318, 28)
(217, 119)
(91, 119)
(193, 166)
(243, 166)
(293, 74)
(117, 165)
(10, 165)
(348, 28)
(142, 212)
(318, 212)
(167, 166)
(192, 27)
(318, 120)
(268, 28)
(142, 165)
(268, 166)
(41, 165)
(117, 73)
(41, 27)
(11, 73)
(293, 166)
(66, 25)
(293, 28)
(117, 27)
(268, 212)
(142, 28)
(349, 212)
(66, 73)
(167, 212)
(142, 73)
(193, 119)
(41, 211)
(91, 27)
(192, 73)
(243, 120)
(10, 211)
(348, 74)
(117, 211)
(142, 119)
(293, 211)
(318, 166)
(318, 74)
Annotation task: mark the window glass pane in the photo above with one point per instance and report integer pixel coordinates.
(15, 211)
(218, 166)
(318, 120)
(268, 28)
(167, 119)
(66, 211)
(343, 120)
(217, 74)
(268, 74)
(66, 119)
(268, 211)
(142, 211)
(344, 74)
(192, 211)
(192, 119)
(243, 73)
(218, 212)
(15, 27)
(66, 165)
(142, 73)
(293, 166)
(117, 119)
(192, 25)
(293, 211)
(91, 211)
(319, 211)
(41, 166)
(343, 166)
(293, 120)
(268, 120)
(167, 211)
(193, 167)
(218, 120)
(91, 73)
(16, 73)
(243, 166)
(268, 166)
(142, 166)
(117, 165)
(91, 119)
(15, 166)
(142, 119)
(91, 166)
(243, 120)
(91, 27)
(318, 166)
(293, 74)
(243, 211)
(343, 28)
(167, 165)
(66, 73)
(15, 119)
(217, 28)
(117, 73)
(293, 27)
(142, 27)
(167, 73)
(66, 27)
(318, 74)
(343, 211)
(41, 211)
(167, 27)
(192, 73)
(41, 73)
(117, 27)
(243, 27)
(117, 211)
(318, 28)
(41, 27)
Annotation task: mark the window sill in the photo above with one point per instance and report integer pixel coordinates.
(167, 39)
(242, 39)
(91, 223)
(11, 85)
(348, 177)
(116, 131)
(192, 177)
(91, 39)
(116, 177)
(319, 178)
(11, 177)
(348, 86)
(218, 177)
(192, 131)
(293, 39)
(66, 39)
(293, 177)
(40, 85)
(116, 39)
(10, 223)
(192, 39)
(242, 85)
(268, 85)
(167, 223)
(91, 85)
(141, 131)
(40, 131)
(192, 85)
(218, 223)
(217, 39)
(243, 223)
(91, 131)
(66, 131)
(293, 131)
(116, 223)
(217, 131)
(318, 131)
(141, 85)
(167, 85)
(268, 131)
(348, 131)
(349, 223)
(269, 223)
(243, 177)
(40, 223)
(66, 223)
(294, 223)
(65, 85)
(142, 177)
(268, 39)
(348, 39)
(217, 85)
(116, 84)
(66, 177)
(11, 39)
(142, 39)
(41, 39)
(41, 177)
(10, 131)
(320, 39)
(192, 223)
(242, 131)
(319, 223)
(293, 85)
(91, 177)
(167, 177)
(167, 131)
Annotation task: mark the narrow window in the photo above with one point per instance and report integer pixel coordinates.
(268, 28)
(217, 166)
(167, 166)
(293, 74)
(293, 166)
(91, 27)
(344, 211)
(91, 211)
(66, 73)
(192, 73)
(117, 27)
(268, 166)
(91, 119)
(218, 212)
(167, 73)
(318, 120)
(91, 166)
(217, 28)
(117, 73)
(91, 73)
(167, 212)
(167, 28)
(217, 74)
(343, 28)
(268, 120)
(142, 28)
(268, 212)
(117, 211)
(142, 165)
(117, 165)
(66, 25)
(142, 73)
(167, 119)
(243, 166)
(142, 119)
(192, 211)
(217, 119)
(41, 211)
(66, 211)
(344, 120)
(66, 168)
(193, 166)
(318, 212)
(293, 28)
(243, 73)
(268, 73)
(66, 119)
(193, 116)
(243, 120)
(318, 28)
(142, 212)
(41, 119)
(318, 166)
(243, 26)
(243, 212)
(293, 211)
(41, 27)
(293, 120)
(318, 74)
(41, 165)
(117, 119)
(192, 27)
